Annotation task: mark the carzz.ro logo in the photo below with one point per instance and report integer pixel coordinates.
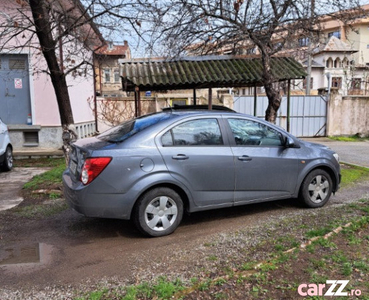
(329, 288)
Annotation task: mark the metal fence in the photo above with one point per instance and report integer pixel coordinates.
(308, 114)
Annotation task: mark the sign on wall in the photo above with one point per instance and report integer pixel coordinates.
(18, 83)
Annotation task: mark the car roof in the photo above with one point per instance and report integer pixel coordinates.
(197, 108)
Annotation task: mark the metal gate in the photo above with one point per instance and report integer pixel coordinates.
(308, 114)
(15, 102)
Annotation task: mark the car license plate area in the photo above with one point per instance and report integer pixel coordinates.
(73, 167)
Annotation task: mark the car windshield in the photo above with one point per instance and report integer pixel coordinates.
(125, 130)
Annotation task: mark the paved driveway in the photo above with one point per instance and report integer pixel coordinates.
(356, 153)
(12, 182)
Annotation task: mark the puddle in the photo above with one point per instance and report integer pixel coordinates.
(25, 258)
(24, 255)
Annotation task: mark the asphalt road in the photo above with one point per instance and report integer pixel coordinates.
(356, 153)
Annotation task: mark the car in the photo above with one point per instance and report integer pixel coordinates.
(6, 148)
(154, 168)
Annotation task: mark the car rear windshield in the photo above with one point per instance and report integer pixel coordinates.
(125, 130)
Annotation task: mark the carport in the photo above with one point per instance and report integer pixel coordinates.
(202, 72)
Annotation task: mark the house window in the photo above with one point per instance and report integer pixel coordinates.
(107, 75)
(356, 84)
(116, 75)
(337, 63)
(311, 83)
(337, 82)
(304, 41)
(345, 63)
(337, 34)
(31, 138)
(329, 63)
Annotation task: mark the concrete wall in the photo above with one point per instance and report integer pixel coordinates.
(348, 115)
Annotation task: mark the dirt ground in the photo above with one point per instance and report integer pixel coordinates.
(65, 251)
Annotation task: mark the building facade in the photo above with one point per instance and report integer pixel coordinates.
(28, 103)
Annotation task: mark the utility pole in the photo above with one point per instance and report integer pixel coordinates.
(308, 78)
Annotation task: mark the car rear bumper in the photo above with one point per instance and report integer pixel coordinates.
(97, 205)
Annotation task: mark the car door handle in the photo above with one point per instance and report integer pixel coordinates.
(180, 157)
(244, 158)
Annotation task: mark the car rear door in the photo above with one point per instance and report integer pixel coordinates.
(265, 168)
(197, 155)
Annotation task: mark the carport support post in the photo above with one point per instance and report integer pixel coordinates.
(288, 104)
(210, 97)
(255, 101)
(137, 102)
(194, 96)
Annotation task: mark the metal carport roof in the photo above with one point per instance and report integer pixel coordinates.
(203, 72)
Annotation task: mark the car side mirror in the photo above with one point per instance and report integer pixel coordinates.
(289, 142)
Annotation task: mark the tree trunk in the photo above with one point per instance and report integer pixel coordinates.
(274, 97)
(40, 15)
(43, 27)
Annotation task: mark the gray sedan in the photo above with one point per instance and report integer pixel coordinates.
(153, 168)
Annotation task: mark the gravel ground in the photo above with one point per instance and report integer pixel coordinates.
(185, 256)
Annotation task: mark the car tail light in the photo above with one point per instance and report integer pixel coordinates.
(93, 167)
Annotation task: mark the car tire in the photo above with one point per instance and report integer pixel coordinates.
(316, 189)
(158, 212)
(8, 159)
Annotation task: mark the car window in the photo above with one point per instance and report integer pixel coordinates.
(194, 133)
(252, 133)
(129, 128)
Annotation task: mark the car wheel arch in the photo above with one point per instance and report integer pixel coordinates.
(180, 191)
(325, 168)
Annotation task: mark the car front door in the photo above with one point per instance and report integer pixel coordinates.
(265, 168)
(196, 154)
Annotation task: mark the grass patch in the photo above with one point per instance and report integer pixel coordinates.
(46, 186)
(351, 174)
(43, 193)
(38, 162)
(46, 179)
(351, 138)
(161, 289)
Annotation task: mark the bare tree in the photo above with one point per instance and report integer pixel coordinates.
(66, 33)
(113, 111)
(209, 27)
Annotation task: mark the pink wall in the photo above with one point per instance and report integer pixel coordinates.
(44, 106)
